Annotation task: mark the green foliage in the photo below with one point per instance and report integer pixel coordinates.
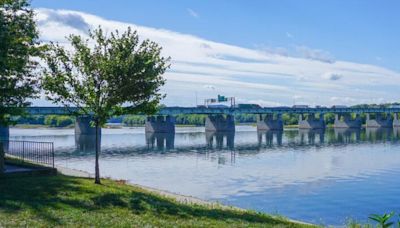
(133, 120)
(329, 118)
(18, 44)
(62, 201)
(383, 220)
(118, 71)
(290, 119)
(58, 121)
(105, 76)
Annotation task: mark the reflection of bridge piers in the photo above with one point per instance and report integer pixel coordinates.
(311, 135)
(269, 137)
(378, 134)
(86, 143)
(347, 135)
(160, 140)
(219, 139)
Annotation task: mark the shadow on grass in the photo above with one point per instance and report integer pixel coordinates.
(45, 195)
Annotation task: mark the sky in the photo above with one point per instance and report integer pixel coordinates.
(273, 53)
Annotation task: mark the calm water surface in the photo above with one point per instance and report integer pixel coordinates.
(321, 177)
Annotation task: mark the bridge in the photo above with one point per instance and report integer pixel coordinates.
(221, 119)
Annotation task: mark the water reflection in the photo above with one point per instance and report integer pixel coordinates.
(86, 143)
(160, 141)
(312, 136)
(346, 135)
(246, 141)
(269, 136)
(220, 138)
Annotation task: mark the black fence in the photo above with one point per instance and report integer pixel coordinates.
(36, 152)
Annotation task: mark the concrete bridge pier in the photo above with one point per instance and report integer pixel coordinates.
(347, 121)
(378, 122)
(83, 126)
(220, 123)
(160, 124)
(4, 132)
(396, 121)
(310, 122)
(267, 122)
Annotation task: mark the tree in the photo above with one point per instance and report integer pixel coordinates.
(18, 46)
(105, 76)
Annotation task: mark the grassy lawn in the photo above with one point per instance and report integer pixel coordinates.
(69, 201)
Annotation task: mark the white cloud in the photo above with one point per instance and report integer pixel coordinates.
(332, 76)
(192, 13)
(250, 75)
(289, 35)
(315, 54)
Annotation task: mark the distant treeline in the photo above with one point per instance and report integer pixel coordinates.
(182, 119)
(50, 120)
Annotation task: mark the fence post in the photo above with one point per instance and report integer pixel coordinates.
(23, 150)
(52, 152)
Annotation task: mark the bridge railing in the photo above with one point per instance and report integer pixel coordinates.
(36, 152)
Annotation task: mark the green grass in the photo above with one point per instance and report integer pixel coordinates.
(58, 200)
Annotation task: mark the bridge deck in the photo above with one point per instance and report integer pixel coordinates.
(227, 111)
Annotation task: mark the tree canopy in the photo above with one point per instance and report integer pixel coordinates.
(105, 75)
(18, 47)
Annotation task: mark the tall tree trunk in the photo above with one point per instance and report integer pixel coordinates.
(1, 158)
(97, 169)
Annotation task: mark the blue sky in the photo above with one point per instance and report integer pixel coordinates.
(271, 53)
(365, 31)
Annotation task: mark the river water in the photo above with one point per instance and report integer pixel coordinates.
(325, 177)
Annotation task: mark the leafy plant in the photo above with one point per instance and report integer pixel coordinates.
(383, 220)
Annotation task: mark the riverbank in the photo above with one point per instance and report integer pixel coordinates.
(61, 200)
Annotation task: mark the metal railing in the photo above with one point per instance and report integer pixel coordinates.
(31, 151)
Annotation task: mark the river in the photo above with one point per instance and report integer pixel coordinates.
(324, 177)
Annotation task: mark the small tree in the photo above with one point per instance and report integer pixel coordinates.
(105, 76)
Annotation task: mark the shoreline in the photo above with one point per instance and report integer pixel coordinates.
(190, 200)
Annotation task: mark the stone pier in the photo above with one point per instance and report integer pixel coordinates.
(347, 121)
(4, 132)
(160, 124)
(267, 122)
(220, 123)
(396, 121)
(379, 121)
(310, 122)
(83, 126)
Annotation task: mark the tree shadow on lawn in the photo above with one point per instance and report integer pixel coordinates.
(45, 195)
(41, 194)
